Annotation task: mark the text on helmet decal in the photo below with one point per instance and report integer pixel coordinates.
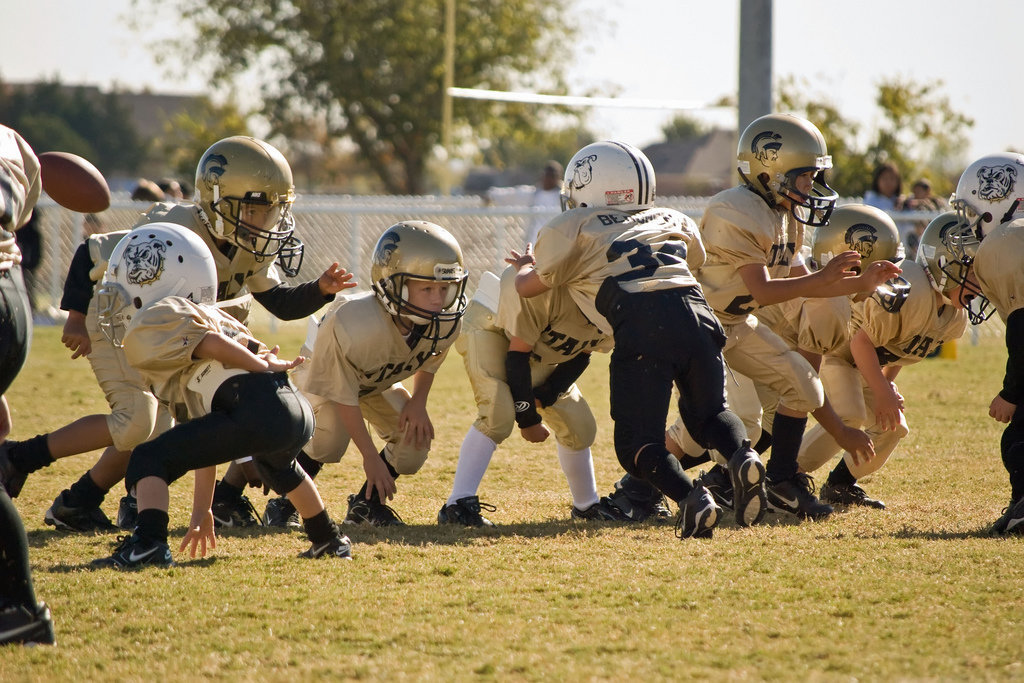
(447, 271)
(765, 147)
(996, 183)
(614, 197)
(583, 172)
(144, 261)
(861, 238)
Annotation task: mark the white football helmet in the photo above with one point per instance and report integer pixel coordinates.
(149, 263)
(607, 173)
(773, 150)
(989, 191)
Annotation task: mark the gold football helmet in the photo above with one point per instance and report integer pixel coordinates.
(244, 188)
(774, 150)
(418, 250)
(871, 233)
(946, 251)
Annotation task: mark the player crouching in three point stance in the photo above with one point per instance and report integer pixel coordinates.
(367, 343)
(628, 266)
(156, 302)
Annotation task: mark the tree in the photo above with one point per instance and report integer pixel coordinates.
(372, 71)
(682, 128)
(919, 131)
(188, 134)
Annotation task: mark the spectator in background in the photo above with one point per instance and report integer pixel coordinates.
(147, 191)
(886, 193)
(171, 189)
(548, 195)
(91, 225)
(921, 199)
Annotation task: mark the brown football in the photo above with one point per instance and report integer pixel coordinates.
(73, 182)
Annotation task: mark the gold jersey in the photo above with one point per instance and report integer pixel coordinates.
(815, 325)
(999, 267)
(644, 250)
(739, 229)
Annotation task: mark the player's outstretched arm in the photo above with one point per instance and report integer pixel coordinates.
(887, 403)
(414, 420)
(335, 279)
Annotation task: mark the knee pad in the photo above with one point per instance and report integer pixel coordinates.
(133, 420)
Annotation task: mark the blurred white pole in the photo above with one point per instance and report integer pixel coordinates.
(446, 106)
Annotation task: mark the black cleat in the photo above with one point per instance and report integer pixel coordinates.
(234, 513)
(20, 624)
(639, 501)
(133, 552)
(127, 513)
(338, 546)
(67, 518)
(796, 496)
(848, 494)
(281, 513)
(12, 478)
(746, 474)
(1012, 519)
(603, 510)
(373, 512)
(698, 514)
(465, 511)
(719, 484)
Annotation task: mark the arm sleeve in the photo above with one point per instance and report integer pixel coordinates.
(561, 378)
(517, 374)
(1013, 381)
(78, 285)
(291, 303)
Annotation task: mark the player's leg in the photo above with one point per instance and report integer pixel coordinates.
(1011, 445)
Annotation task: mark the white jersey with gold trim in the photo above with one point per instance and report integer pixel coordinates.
(644, 250)
(999, 267)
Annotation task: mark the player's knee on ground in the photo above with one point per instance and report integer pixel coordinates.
(133, 420)
(406, 458)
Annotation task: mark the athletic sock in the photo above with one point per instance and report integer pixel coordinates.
(84, 493)
(689, 461)
(320, 528)
(841, 475)
(311, 466)
(662, 469)
(787, 433)
(226, 492)
(474, 458)
(30, 455)
(152, 525)
(578, 466)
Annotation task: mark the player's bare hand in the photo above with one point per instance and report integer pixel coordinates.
(857, 443)
(887, 410)
(335, 279)
(840, 266)
(200, 534)
(535, 433)
(378, 478)
(877, 274)
(416, 425)
(76, 337)
(1001, 410)
(519, 260)
(899, 396)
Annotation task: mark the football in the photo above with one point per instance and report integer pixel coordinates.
(73, 182)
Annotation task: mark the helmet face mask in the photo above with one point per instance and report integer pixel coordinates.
(418, 251)
(773, 152)
(244, 188)
(150, 263)
(990, 191)
(947, 251)
(609, 174)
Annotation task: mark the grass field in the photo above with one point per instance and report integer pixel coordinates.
(918, 591)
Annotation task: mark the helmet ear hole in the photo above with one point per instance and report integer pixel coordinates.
(137, 302)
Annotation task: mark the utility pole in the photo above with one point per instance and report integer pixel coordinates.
(755, 96)
(446, 99)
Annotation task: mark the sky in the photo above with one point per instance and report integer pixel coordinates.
(643, 49)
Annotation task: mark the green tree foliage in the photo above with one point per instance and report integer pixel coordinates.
(189, 133)
(55, 117)
(372, 70)
(682, 128)
(918, 130)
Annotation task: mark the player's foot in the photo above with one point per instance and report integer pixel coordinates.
(1012, 519)
(465, 511)
(68, 518)
(639, 501)
(603, 510)
(234, 513)
(337, 546)
(127, 513)
(848, 494)
(281, 513)
(134, 552)
(362, 511)
(12, 478)
(746, 474)
(20, 624)
(718, 482)
(796, 496)
(698, 514)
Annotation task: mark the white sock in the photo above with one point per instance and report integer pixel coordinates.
(579, 472)
(474, 458)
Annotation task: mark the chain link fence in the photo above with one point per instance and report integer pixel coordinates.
(345, 229)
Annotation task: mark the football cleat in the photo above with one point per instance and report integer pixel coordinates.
(11, 476)
(746, 473)
(796, 496)
(127, 513)
(718, 482)
(603, 510)
(67, 518)
(1012, 519)
(20, 624)
(281, 513)
(698, 514)
(133, 552)
(235, 513)
(639, 501)
(362, 511)
(848, 494)
(465, 511)
(336, 546)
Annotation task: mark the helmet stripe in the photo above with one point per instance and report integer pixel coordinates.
(642, 176)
